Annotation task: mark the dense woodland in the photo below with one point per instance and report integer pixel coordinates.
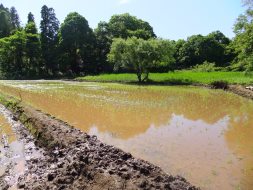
(124, 44)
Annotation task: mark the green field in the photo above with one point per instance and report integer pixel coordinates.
(181, 77)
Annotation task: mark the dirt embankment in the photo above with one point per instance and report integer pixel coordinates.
(241, 91)
(75, 160)
(246, 92)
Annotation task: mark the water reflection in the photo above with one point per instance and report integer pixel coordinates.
(204, 135)
(6, 130)
(12, 159)
(184, 147)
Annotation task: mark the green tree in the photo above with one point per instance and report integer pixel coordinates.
(76, 50)
(49, 27)
(20, 53)
(180, 54)
(125, 26)
(5, 24)
(14, 19)
(189, 52)
(30, 18)
(33, 51)
(141, 55)
(198, 49)
(219, 37)
(244, 39)
(103, 44)
(12, 55)
(119, 26)
(221, 50)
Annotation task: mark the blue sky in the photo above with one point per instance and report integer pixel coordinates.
(171, 19)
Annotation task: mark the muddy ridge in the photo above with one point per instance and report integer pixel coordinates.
(241, 91)
(75, 160)
(236, 89)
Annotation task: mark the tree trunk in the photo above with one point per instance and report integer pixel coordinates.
(145, 79)
(139, 77)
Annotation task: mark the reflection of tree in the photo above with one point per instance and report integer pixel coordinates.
(131, 110)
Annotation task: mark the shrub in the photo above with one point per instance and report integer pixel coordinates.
(205, 67)
(240, 66)
(248, 73)
(220, 84)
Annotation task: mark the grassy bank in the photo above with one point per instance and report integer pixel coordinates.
(182, 77)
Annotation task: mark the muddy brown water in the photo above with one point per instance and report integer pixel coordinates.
(12, 157)
(204, 135)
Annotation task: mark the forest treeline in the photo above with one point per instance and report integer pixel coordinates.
(74, 49)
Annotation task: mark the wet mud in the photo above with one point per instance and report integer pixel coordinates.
(16, 149)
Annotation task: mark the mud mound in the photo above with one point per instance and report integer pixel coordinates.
(241, 91)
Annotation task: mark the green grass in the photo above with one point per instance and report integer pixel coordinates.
(180, 77)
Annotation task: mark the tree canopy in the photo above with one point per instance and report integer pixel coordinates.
(14, 19)
(49, 27)
(123, 44)
(5, 22)
(125, 26)
(119, 26)
(198, 49)
(244, 39)
(141, 55)
(76, 49)
(30, 17)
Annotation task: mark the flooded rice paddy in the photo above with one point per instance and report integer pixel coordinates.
(204, 135)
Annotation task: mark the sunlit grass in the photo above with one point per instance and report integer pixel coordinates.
(180, 77)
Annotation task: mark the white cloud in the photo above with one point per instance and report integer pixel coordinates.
(124, 2)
